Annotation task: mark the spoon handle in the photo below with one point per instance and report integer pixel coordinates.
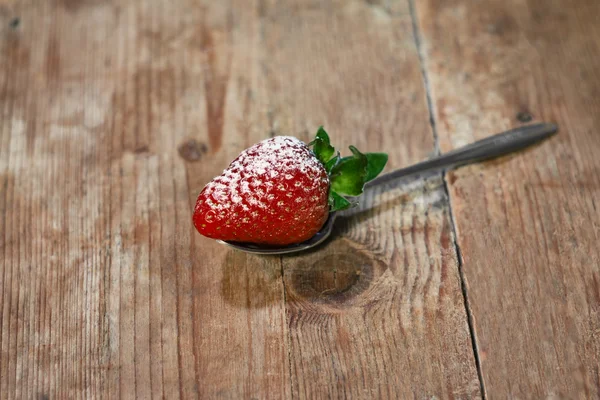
(493, 146)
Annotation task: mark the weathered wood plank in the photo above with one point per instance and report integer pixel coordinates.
(528, 224)
(378, 312)
(113, 116)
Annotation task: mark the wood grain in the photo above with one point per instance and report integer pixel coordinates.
(106, 289)
(113, 117)
(528, 224)
(378, 312)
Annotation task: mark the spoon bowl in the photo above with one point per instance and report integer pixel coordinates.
(490, 147)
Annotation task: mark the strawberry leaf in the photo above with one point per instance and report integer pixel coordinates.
(331, 163)
(375, 164)
(337, 202)
(322, 147)
(349, 175)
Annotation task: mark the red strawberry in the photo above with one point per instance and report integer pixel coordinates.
(278, 192)
(273, 193)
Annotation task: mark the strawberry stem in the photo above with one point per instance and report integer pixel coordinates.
(347, 175)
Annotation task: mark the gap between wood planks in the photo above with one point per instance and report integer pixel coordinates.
(437, 152)
(421, 56)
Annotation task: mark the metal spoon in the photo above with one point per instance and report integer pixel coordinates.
(493, 146)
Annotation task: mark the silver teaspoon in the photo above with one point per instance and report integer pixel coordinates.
(490, 147)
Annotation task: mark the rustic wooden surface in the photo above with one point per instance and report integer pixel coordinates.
(113, 115)
(527, 225)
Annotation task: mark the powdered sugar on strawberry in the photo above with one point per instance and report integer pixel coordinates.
(257, 165)
(274, 180)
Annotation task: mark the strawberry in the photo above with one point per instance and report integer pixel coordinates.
(279, 191)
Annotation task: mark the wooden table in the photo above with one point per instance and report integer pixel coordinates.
(483, 282)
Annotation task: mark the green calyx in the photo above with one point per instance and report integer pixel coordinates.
(347, 175)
